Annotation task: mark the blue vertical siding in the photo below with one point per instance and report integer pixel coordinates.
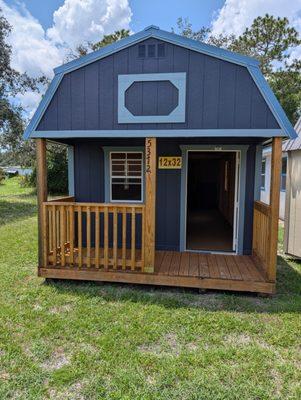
(90, 183)
(64, 106)
(219, 94)
(91, 97)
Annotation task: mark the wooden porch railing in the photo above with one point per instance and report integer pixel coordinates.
(86, 235)
(265, 224)
(261, 234)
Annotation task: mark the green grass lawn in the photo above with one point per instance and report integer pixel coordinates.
(65, 340)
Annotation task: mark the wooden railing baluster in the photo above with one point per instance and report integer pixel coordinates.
(97, 244)
(63, 233)
(88, 214)
(106, 238)
(142, 239)
(79, 237)
(45, 234)
(133, 241)
(50, 248)
(54, 231)
(115, 238)
(71, 235)
(123, 254)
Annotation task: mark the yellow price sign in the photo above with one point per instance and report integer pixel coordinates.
(170, 163)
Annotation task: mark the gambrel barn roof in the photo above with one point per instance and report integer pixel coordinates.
(281, 126)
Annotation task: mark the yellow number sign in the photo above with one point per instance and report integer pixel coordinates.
(170, 163)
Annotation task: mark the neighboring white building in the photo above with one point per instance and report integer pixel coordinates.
(18, 170)
(292, 223)
(266, 178)
(290, 195)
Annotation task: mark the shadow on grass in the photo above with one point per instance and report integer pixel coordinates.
(13, 211)
(288, 276)
(287, 298)
(28, 195)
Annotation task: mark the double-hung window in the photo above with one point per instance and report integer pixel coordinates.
(126, 176)
(263, 172)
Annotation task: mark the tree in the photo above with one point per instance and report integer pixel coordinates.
(12, 126)
(286, 84)
(12, 123)
(204, 34)
(270, 40)
(57, 170)
(83, 49)
(13, 82)
(185, 29)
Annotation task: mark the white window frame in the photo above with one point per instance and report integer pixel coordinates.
(142, 175)
(282, 174)
(264, 160)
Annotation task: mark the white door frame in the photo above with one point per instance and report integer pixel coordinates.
(218, 149)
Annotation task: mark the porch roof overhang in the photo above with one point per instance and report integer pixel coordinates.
(166, 133)
(286, 129)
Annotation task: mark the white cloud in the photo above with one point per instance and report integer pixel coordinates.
(78, 21)
(32, 52)
(236, 15)
(29, 101)
(37, 52)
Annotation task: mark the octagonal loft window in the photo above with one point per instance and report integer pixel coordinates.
(151, 98)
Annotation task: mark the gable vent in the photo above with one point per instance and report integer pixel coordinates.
(151, 50)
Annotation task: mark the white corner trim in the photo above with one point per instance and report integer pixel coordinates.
(178, 79)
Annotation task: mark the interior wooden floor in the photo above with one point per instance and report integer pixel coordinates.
(186, 269)
(209, 230)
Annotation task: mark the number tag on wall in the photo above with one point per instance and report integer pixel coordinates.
(170, 163)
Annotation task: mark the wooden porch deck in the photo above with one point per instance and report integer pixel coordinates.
(187, 269)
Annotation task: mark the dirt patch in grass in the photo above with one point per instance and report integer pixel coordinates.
(241, 339)
(57, 360)
(151, 348)
(192, 346)
(277, 380)
(238, 339)
(61, 309)
(4, 376)
(169, 345)
(87, 348)
(71, 393)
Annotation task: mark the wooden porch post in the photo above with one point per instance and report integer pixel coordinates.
(274, 206)
(41, 192)
(150, 204)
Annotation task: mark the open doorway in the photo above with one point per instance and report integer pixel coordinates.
(211, 191)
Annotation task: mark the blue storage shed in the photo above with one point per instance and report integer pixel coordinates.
(164, 138)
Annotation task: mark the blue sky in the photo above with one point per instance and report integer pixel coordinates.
(163, 13)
